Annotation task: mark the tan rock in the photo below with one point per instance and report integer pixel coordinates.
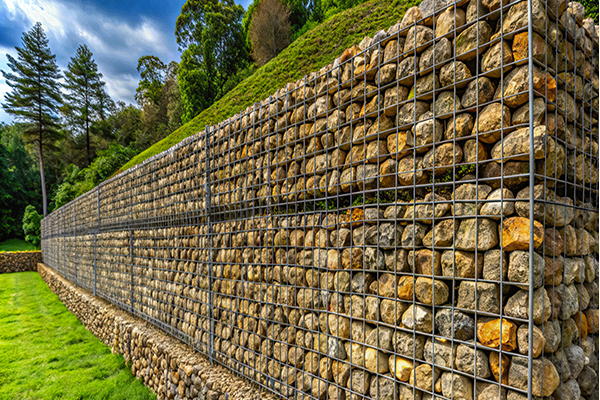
(500, 366)
(516, 234)
(401, 367)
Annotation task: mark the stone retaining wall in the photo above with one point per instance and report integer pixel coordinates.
(19, 261)
(377, 229)
(170, 368)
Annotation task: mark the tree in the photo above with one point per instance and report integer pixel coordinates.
(35, 95)
(85, 90)
(270, 30)
(210, 35)
(32, 225)
(152, 74)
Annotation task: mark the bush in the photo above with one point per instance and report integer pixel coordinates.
(32, 225)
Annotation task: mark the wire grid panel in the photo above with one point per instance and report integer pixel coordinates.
(393, 226)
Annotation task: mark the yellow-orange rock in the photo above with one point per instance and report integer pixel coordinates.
(520, 47)
(593, 320)
(401, 368)
(405, 288)
(500, 365)
(498, 331)
(582, 324)
(515, 234)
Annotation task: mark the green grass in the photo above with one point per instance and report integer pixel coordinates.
(310, 52)
(17, 245)
(46, 353)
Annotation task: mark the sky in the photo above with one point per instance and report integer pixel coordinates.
(118, 33)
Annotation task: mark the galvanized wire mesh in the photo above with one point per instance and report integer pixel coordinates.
(395, 226)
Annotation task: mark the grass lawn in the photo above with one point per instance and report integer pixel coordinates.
(46, 353)
(16, 245)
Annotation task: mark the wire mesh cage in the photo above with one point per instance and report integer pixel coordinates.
(417, 220)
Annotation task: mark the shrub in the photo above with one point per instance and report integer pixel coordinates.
(32, 225)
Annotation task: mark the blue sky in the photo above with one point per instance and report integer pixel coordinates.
(118, 32)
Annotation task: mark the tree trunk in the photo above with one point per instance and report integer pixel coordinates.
(87, 134)
(43, 177)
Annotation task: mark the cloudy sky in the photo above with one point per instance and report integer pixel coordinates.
(118, 32)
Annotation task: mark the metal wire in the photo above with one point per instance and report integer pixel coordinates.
(368, 214)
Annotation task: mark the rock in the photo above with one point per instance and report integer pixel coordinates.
(486, 299)
(474, 151)
(516, 234)
(491, 392)
(441, 234)
(440, 353)
(518, 269)
(498, 332)
(516, 145)
(410, 110)
(391, 311)
(401, 368)
(469, 191)
(568, 390)
(430, 7)
(442, 51)
(410, 18)
(495, 265)
(517, 306)
(523, 340)
(427, 132)
(449, 20)
(553, 269)
(513, 172)
(405, 287)
(491, 121)
(376, 361)
(515, 90)
(588, 381)
(549, 213)
(520, 47)
(399, 144)
(576, 359)
(461, 264)
(514, 19)
(431, 291)
(455, 72)
(497, 56)
(455, 324)
(472, 41)
(479, 91)
(413, 235)
(443, 157)
(424, 376)
(389, 236)
(419, 318)
(424, 86)
(360, 381)
(500, 367)
(383, 387)
(373, 259)
(381, 338)
(544, 378)
(408, 344)
(456, 386)
(418, 38)
(504, 206)
(446, 104)
(425, 262)
(407, 70)
(459, 126)
(480, 235)
(472, 361)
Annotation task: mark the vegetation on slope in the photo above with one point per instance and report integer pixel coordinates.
(308, 53)
(46, 353)
(11, 245)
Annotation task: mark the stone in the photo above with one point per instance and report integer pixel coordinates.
(424, 376)
(383, 387)
(426, 132)
(544, 378)
(441, 234)
(500, 367)
(455, 73)
(495, 265)
(360, 381)
(549, 213)
(523, 340)
(413, 235)
(516, 146)
(373, 259)
(456, 386)
(418, 38)
(412, 15)
(400, 367)
(389, 235)
(474, 152)
(376, 361)
(498, 333)
(513, 173)
(447, 104)
(457, 324)
(391, 311)
(519, 270)
(476, 235)
(405, 287)
(479, 91)
(411, 112)
(381, 338)
(472, 41)
(576, 359)
(503, 207)
(520, 47)
(399, 144)
(430, 7)
(441, 50)
(425, 262)
(469, 191)
(431, 291)
(449, 20)
(424, 86)
(459, 126)
(517, 306)
(361, 282)
(515, 90)
(472, 361)
(553, 269)
(491, 121)
(442, 158)
(407, 70)
(441, 353)
(516, 234)
(408, 344)
(485, 297)
(497, 56)
(419, 318)
(514, 20)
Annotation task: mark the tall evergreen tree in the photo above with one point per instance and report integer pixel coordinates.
(35, 97)
(84, 87)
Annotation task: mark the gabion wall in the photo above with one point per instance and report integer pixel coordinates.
(417, 220)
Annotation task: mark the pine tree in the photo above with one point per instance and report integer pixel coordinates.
(35, 97)
(85, 91)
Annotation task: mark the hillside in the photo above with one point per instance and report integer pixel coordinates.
(313, 50)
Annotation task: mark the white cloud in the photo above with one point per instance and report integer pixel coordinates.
(115, 41)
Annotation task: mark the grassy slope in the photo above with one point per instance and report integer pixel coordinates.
(16, 245)
(309, 53)
(46, 353)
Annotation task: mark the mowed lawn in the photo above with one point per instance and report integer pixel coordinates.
(46, 353)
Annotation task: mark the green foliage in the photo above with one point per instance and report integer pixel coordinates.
(152, 72)
(48, 354)
(14, 245)
(211, 37)
(35, 95)
(308, 53)
(84, 97)
(591, 9)
(463, 170)
(32, 225)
